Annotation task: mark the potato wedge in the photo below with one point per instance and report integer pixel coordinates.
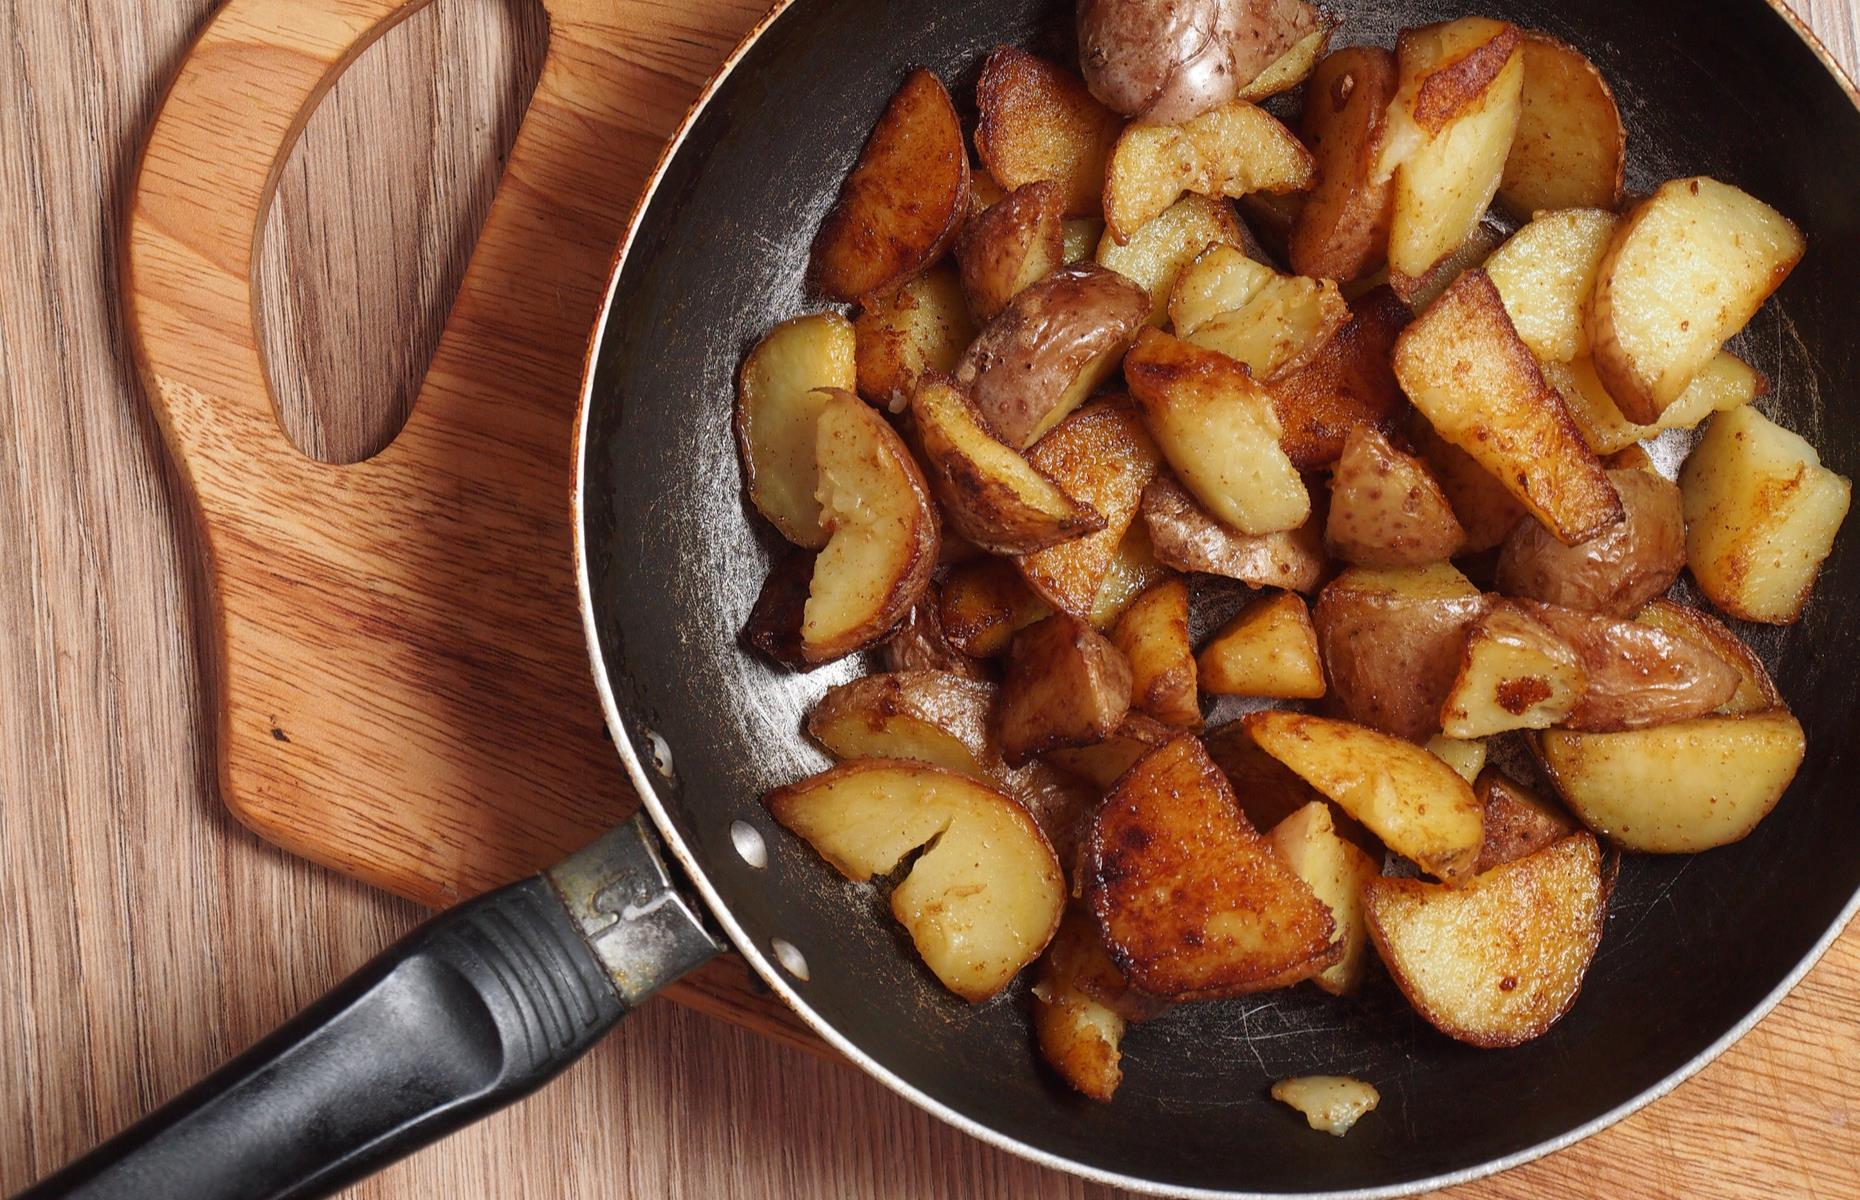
(922, 716)
(1133, 568)
(1486, 509)
(1518, 822)
(1065, 686)
(1165, 62)
(778, 404)
(1038, 122)
(1228, 151)
(1336, 870)
(905, 199)
(1465, 756)
(920, 327)
(992, 495)
(1078, 1030)
(1478, 385)
(1761, 516)
(1347, 383)
(1270, 649)
(1155, 255)
(1391, 643)
(1724, 383)
(1152, 635)
(1330, 1104)
(1270, 323)
(1544, 274)
(1570, 150)
(1268, 791)
(1514, 674)
(985, 898)
(1103, 763)
(1010, 246)
(1187, 538)
(1343, 230)
(1499, 961)
(1687, 269)
(920, 644)
(1217, 428)
(1101, 455)
(983, 603)
(1385, 508)
(1045, 352)
(1192, 902)
(1617, 571)
(1756, 691)
(774, 625)
(1678, 788)
(1637, 675)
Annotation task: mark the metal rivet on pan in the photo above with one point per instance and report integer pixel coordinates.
(749, 844)
(661, 754)
(790, 958)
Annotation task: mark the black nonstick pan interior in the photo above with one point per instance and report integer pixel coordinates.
(1695, 947)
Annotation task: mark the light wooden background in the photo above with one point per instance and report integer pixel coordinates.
(144, 937)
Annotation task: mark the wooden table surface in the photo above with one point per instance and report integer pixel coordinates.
(148, 937)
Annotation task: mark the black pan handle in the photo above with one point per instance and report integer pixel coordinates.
(475, 1009)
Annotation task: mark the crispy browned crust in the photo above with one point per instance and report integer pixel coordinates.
(983, 603)
(774, 625)
(1348, 383)
(1342, 230)
(1518, 822)
(1011, 244)
(1066, 685)
(1038, 121)
(1452, 87)
(1152, 635)
(919, 644)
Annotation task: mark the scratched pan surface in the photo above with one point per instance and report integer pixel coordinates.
(1695, 948)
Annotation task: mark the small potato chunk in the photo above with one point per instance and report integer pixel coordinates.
(1518, 822)
(1166, 61)
(1193, 904)
(1228, 151)
(1385, 509)
(1761, 516)
(1102, 764)
(1724, 383)
(981, 903)
(1678, 788)
(1615, 572)
(1467, 758)
(1065, 686)
(1331, 1104)
(924, 716)
(1217, 428)
(1515, 674)
(1267, 789)
(1270, 649)
(1187, 538)
(1045, 352)
(1637, 675)
(882, 532)
(1076, 1018)
(1498, 961)
(1419, 806)
(1272, 324)
(1347, 383)
(1485, 507)
(1039, 122)
(1479, 386)
(1010, 246)
(1155, 256)
(1544, 274)
(1391, 643)
(1152, 635)
(1296, 64)
(778, 403)
(920, 327)
(1756, 691)
(1133, 568)
(984, 603)
(1343, 230)
(1336, 870)
(992, 495)
(1570, 150)
(903, 202)
(920, 644)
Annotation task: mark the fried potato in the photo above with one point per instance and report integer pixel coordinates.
(1133, 568)
(1217, 428)
(1466, 757)
(923, 716)
(1295, 65)
(1103, 763)
(992, 495)
(903, 202)
(920, 327)
(1192, 902)
(1419, 294)
(1045, 352)
(1498, 961)
(778, 403)
(1152, 635)
(1336, 870)
(1156, 254)
(1347, 383)
(1038, 122)
(1330, 1104)
(1486, 509)
(1385, 509)
(1544, 274)
(1515, 673)
(1342, 232)
(1227, 151)
(1060, 804)
(983, 603)
(1637, 675)
(1269, 649)
(1268, 791)
(1615, 572)
(1756, 691)
(1518, 822)
(1077, 1029)
(1687, 269)
(1065, 686)
(1570, 150)
(1391, 643)
(1270, 323)
(1165, 61)
(774, 624)
(1678, 788)
(1101, 455)
(1187, 538)
(980, 903)
(1478, 385)
(920, 644)
(1761, 516)
(1010, 246)
(1724, 383)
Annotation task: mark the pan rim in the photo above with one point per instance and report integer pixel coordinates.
(777, 980)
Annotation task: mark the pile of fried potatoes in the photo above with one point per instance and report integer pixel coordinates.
(1078, 382)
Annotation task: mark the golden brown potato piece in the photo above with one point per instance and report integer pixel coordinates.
(1466, 757)
(1336, 870)
(1045, 352)
(1343, 230)
(1761, 515)
(1347, 383)
(1133, 568)
(778, 403)
(1101, 455)
(1518, 822)
(1570, 150)
(1103, 763)
(1756, 691)
(1268, 791)
(992, 495)
(903, 202)
(1391, 643)
(774, 624)
(1724, 383)
(1228, 151)
(1486, 509)
(1515, 673)
(1038, 122)
(1679, 788)
(1615, 572)
(1270, 323)
(1065, 686)
(1479, 386)
(980, 903)
(1270, 650)
(1330, 1104)
(1217, 428)
(920, 644)
(1152, 635)
(1010, 246)
(909, 331)
(1187, 538)
(1165, 61)
(923, 716)
(1499, 961)
(1191, 901)
(984, 603)
(1155, 255)
(1077, 1026)
(1385, 509)
(1544, 274)
(1637, 675)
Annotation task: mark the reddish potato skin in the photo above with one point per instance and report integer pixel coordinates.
(1348, 383)
(1167, 61)
(774, 625)
(1392, 659)
(919, 644)
(1342, 231)
(1066, 685)
(1187, 538)
(1639, 676)
(1616, 572)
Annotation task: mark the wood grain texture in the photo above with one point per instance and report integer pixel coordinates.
(147, 936)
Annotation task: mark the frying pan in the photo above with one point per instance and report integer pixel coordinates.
(489, 1000)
